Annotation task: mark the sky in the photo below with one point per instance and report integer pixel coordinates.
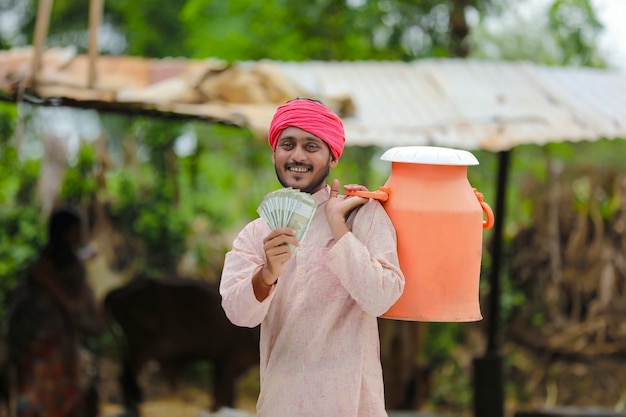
(612, 14)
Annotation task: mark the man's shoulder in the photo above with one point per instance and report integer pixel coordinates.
(374, 207)
(254, 227)
(369, 213)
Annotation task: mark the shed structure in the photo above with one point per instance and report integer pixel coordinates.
(456, 103)
(459, 103)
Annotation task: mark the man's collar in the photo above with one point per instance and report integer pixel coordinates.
(321, 195)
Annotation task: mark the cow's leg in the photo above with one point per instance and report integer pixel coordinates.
(5, 377)
(131, 391)
(224, 377)
(5, 389)
(91, 395)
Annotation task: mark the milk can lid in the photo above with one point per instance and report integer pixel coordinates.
(432, 155)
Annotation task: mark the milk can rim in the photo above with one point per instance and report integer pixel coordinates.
(432, 155)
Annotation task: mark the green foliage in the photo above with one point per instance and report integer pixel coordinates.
(451, 381)
(452, 388)
(441, 338)
(228, 174)
(576, 28)
(143, 27)
(21, 236)
(79, 184)
(145, 198)
(21, 231)
(218, 176)
(150, 28)
(8, 116)
(246, 29)
(326, 29)
(163, 230)
(565, 33)
(67, 26)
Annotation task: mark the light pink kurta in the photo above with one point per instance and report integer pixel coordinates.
(320, 354)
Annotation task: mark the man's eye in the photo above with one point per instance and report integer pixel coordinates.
(312, 147)
(286, 145)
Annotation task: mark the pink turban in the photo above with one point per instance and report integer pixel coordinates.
(311, 116)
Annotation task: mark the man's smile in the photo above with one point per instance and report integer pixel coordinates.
(298, 169)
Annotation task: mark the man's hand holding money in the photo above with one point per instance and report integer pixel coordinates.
(288, 213)
(277, 253)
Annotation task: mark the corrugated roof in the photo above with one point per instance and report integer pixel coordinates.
(470, 104)
(457, 103)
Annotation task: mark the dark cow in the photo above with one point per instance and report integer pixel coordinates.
(5, 388)
(175, 321)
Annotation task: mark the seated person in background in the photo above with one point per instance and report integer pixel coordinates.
(52, 309)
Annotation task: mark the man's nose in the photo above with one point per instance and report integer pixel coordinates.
(299, 154)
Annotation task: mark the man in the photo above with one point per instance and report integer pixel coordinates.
(317, 306)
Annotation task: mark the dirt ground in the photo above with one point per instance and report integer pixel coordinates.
(532, 381)
(186, 400)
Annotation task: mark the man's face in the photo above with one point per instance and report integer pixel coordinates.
(302, 160)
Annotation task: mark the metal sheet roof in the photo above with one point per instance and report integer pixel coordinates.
(470, 104)
(457, 103)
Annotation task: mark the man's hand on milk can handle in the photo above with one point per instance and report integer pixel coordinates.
(338, 208)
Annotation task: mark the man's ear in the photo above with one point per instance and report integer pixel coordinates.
(273, 159)
(333, 162)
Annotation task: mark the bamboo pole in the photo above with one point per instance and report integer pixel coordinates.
(41, 33)
(96, 8)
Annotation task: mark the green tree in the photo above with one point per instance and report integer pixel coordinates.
(575, 29)
(142, 27)
(564, 33)
(250, 30)
(21, 231)
(328, 29)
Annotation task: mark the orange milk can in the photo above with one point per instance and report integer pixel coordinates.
(439, 220)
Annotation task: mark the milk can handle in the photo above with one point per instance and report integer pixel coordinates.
(382, 194)
(489, 219)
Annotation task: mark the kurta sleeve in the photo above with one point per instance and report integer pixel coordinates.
(241, 263)
(365, 260)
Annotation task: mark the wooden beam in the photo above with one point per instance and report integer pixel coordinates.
(96, 8)
(41, 33)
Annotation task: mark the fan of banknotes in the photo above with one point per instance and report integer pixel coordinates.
(288, 207)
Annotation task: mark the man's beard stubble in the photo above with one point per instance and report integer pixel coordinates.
(312, 186)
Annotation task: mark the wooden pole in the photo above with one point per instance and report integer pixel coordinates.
(41, 33)
(95, 18)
